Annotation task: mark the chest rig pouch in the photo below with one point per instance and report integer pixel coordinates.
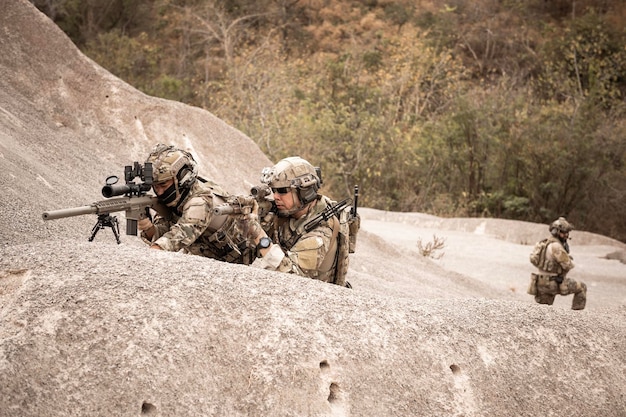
(224, 240)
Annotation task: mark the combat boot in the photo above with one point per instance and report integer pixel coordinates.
(580, 298)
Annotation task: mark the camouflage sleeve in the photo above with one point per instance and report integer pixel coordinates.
(307, 255)
(189, 227)
(561, 257)
(161, 226)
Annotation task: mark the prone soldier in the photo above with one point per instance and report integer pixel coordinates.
(191, 224)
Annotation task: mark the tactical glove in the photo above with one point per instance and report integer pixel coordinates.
(144, 224)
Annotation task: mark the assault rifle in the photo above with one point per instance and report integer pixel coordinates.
(243, 204)
(334, 210)
(135, 202)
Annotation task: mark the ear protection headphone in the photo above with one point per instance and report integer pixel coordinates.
(184, 175)
(187, 172)
(307, 186)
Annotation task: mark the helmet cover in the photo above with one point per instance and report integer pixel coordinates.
(292, 172)
(561, 225)
(170, 163)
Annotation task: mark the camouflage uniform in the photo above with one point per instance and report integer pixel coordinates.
(199, 232)
(312, 254)
(304, 253)
(551, 278)
(192, 226)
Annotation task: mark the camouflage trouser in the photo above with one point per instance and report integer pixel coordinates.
(548, 289)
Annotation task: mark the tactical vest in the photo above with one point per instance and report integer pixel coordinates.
(342, 243)
(223, 239)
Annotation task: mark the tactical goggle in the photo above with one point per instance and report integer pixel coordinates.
(281, 190)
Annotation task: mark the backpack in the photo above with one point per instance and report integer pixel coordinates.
(345, 229)
(538, 255)
(346, 244)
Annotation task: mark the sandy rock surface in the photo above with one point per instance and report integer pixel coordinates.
(97, 328)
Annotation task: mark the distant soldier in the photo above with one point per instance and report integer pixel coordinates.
(552, 259)
(191, 226)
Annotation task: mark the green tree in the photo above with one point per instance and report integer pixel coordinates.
(586, 59)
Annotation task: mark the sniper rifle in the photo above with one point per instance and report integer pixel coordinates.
(135, 202)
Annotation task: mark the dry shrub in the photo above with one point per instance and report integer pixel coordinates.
(431, 249)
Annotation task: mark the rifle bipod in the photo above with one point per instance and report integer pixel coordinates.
(106, 220)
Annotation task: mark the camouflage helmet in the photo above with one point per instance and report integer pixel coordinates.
(561, 225)
(169, 162)
(296, 173)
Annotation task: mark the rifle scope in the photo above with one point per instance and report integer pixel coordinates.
(112, 190)
(260, 191)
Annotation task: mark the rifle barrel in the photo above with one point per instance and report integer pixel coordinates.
(69, 212)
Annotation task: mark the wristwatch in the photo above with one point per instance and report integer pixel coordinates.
(264, 243)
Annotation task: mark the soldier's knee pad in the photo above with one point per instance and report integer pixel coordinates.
(580, 288)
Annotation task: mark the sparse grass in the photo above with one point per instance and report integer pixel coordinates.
(431, 249)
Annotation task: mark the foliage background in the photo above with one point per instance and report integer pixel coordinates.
(495, 108)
